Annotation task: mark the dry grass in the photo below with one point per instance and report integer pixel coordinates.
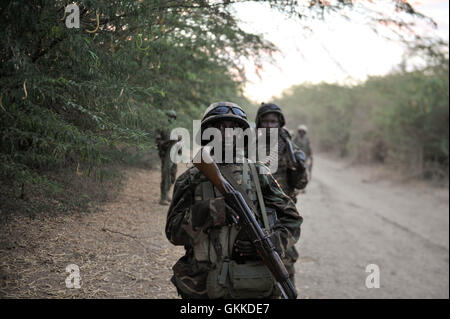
(121, 249)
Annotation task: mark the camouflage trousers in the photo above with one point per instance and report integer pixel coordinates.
(168, 174)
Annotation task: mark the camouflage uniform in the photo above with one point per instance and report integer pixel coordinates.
(288, 179)
(304, 144)
(197, 220)
(168, 168)
(284, 176)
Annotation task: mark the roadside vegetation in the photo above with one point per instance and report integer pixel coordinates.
(400, 119)
(77, 103)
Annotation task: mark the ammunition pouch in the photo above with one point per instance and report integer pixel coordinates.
(250, 280)
(230, 279)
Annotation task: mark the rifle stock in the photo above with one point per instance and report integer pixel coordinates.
(262, 242)
(205, 164)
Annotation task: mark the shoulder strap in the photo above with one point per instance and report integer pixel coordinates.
(207, 190)
(260, 197)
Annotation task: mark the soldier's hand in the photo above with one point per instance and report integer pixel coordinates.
(212, 212)
(232, 216)
(199, 213)
(209, 212)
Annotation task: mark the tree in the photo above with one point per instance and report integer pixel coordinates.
(82, 98)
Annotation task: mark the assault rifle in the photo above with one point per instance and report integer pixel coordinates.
(292, 160)
(264, 247)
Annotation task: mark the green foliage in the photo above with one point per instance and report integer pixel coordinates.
(401, 118)
(94, 96)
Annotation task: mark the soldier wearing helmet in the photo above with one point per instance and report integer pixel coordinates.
(302, 140)
(289, 178)
(168, 168)
(220, 261)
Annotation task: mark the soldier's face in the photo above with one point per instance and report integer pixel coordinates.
(228, 137)
(270, 120)
(223, 125)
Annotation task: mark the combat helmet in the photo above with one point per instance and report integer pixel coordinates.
(221, 111)
(266, 108)
(303, 128)
(171, 113)
(224, 110)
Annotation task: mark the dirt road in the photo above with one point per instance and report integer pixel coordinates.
(350, 221)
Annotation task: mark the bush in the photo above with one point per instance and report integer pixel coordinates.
(401, 118)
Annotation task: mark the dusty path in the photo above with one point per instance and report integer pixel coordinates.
(121, 250)
(350, 221)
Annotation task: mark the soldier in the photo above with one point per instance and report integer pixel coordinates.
(168, 168)
(220, 261)
(302, 140)
(290, 177)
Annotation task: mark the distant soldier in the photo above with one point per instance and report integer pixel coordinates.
(168, 168)
(302, 140)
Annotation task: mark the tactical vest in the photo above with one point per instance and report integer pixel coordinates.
(229, 278)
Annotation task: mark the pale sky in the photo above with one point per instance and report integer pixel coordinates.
(338, 51)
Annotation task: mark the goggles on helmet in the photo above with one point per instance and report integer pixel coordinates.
(221, 110)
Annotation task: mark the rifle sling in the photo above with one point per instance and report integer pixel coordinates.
(260, 197)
